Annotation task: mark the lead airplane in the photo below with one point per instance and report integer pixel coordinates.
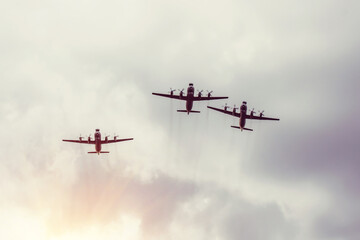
(189, 98)
(243, 115)
(98, 141)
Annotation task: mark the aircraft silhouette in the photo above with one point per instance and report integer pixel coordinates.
(243, 115)
(98, 141)
(189, 98)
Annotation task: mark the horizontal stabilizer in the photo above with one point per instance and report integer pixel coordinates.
(189, 111)
(99, 152)
(248, 129)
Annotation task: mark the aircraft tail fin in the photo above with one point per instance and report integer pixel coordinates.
(189, 111)
(248, 129)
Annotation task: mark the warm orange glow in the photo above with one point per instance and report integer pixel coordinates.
(16, 224)
(126, 227)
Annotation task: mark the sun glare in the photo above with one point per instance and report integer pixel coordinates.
(126, 227)
(16, 224)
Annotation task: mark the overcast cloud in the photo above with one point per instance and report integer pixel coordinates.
(70, 67)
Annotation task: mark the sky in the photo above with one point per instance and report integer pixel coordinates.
(69, 67)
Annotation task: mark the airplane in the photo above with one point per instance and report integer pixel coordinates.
(98, 141)
(243, 115)
(189, 98)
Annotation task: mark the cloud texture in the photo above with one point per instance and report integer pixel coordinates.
(70, 67)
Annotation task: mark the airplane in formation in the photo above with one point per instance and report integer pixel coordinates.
(98, 141)
(243, 115)
(189, 98)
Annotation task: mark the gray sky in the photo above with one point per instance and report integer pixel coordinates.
(70, 67)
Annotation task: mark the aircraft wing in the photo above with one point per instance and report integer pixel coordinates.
(207, 98)
(78, 141)
(225, 111)
(117, 140)
(170, 96)
(261, 118)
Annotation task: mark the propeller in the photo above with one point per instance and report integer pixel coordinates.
(225, 107)
(209, 93)
(252, 111)
(106, 137)
(115, 136)
(181, 92)
(234, 108)
(261, 113)
(172, 91)
(80, 137)
(200, 93)
(89, 137)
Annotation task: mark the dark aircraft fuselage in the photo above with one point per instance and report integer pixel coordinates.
(97, 136)
(243, 110)
(189, 98)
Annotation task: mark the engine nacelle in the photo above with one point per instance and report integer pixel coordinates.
(252, 113)
(234, 110)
